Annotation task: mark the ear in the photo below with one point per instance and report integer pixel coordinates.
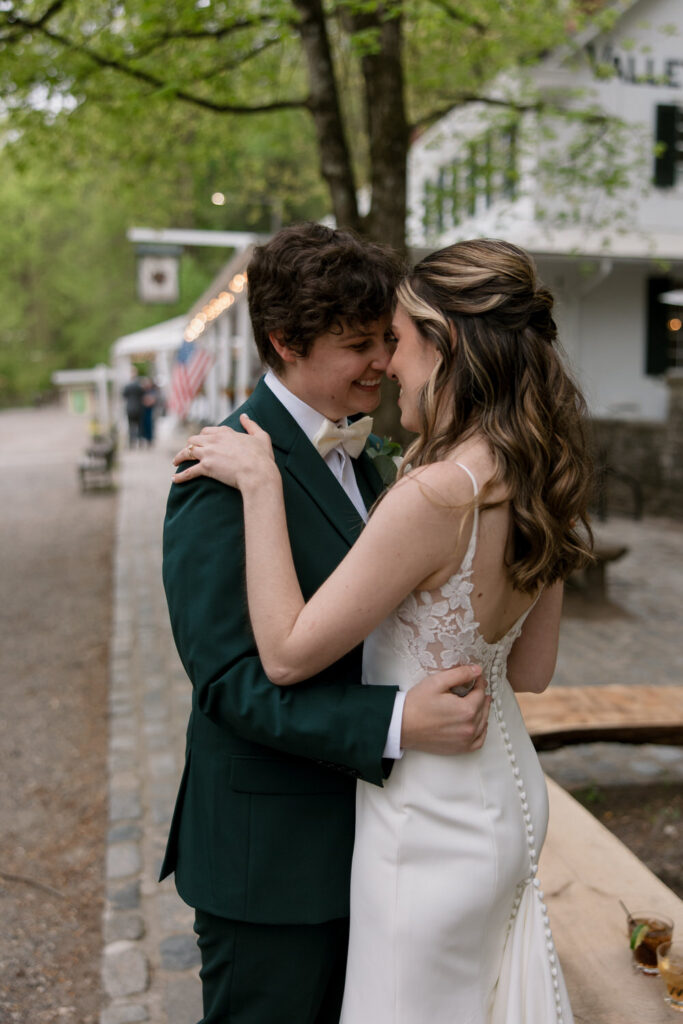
(283, 350)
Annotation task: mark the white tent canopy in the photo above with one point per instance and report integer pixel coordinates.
(164, 337)
(157, 343)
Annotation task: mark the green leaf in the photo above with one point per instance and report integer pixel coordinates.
(638, 934)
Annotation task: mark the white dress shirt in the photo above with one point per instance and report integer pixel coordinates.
(341, 465)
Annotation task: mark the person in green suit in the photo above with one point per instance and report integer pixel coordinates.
(262, 833)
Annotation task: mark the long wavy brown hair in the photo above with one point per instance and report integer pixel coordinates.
(500, 374)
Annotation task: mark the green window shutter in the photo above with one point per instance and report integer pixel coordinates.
(666, 138)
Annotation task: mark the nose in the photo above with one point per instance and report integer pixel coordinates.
(389, 369)
(381, 356)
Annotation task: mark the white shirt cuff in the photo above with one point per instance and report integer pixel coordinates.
(393, 745)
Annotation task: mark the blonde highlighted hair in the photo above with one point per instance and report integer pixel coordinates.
(499, 374)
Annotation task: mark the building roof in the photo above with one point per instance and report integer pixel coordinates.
(159, 337)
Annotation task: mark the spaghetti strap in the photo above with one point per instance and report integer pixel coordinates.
(466, 564)
(471, 476)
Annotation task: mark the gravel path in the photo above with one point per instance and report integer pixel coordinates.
(55, 613)
(55, 605)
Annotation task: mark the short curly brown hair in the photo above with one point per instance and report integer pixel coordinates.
(309, 279)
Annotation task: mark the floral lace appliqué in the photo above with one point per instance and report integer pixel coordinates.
(437, 629)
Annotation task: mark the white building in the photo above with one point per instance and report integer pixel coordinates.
(219, 320)
(608, 259)
(89, 393)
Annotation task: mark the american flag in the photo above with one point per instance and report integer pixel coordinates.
(192, 363)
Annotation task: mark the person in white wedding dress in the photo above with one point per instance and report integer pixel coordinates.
(461, 562)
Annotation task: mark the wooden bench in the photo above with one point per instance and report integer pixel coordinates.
(584, 871)
(614, 713)
(592, 580)
(95, 470)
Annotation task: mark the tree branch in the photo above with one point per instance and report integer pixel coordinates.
(53, 9)
(218, 33)
(232, 64)
(540, 106)
(148, 78)
(25, 880)
(463, 16)
(435, 115)
(24, 25)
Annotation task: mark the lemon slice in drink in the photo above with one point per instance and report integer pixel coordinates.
(639, 933)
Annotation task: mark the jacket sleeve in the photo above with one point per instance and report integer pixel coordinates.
(330, 719)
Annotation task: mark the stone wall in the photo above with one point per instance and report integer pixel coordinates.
(642, 461)
(629, 468)
(672, 454)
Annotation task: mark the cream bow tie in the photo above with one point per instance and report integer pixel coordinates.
(351, 438)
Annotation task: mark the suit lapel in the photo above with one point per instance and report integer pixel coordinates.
(369, 481)
(303, 463)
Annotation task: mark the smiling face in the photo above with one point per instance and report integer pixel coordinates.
(411, 366)
(342, 372)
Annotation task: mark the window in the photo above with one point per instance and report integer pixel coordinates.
(485, 172)
(472, 177)
(509, 142)
(455, 191)
(430, 208)
(442, 200)
(664, 327)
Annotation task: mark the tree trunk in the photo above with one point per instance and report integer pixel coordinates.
(335, 160)
(388, 135)
(387, 130)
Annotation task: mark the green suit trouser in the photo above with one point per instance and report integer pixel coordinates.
(271, 974)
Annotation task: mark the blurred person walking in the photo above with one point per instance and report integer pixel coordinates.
(133, 394)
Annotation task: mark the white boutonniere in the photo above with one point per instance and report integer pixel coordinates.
(386, 457)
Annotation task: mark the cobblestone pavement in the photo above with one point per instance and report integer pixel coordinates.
(635, 637)
(150, 960)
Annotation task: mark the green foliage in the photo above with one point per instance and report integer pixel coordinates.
(243, 56)
(454, 50)
(123, 113)
(74, 178)
(590, 796)
(70, 191)
(68, 285)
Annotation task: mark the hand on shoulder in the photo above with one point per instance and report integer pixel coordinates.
(238, 460)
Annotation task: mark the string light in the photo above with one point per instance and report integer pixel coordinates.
(238, 282)
(214, 308)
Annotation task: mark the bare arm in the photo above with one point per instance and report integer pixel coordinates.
(434, 719)
(532, 659)
(410, 537)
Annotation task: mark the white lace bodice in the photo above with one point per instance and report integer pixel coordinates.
(436, 629)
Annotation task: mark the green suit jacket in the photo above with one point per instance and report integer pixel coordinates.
(263, 826)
